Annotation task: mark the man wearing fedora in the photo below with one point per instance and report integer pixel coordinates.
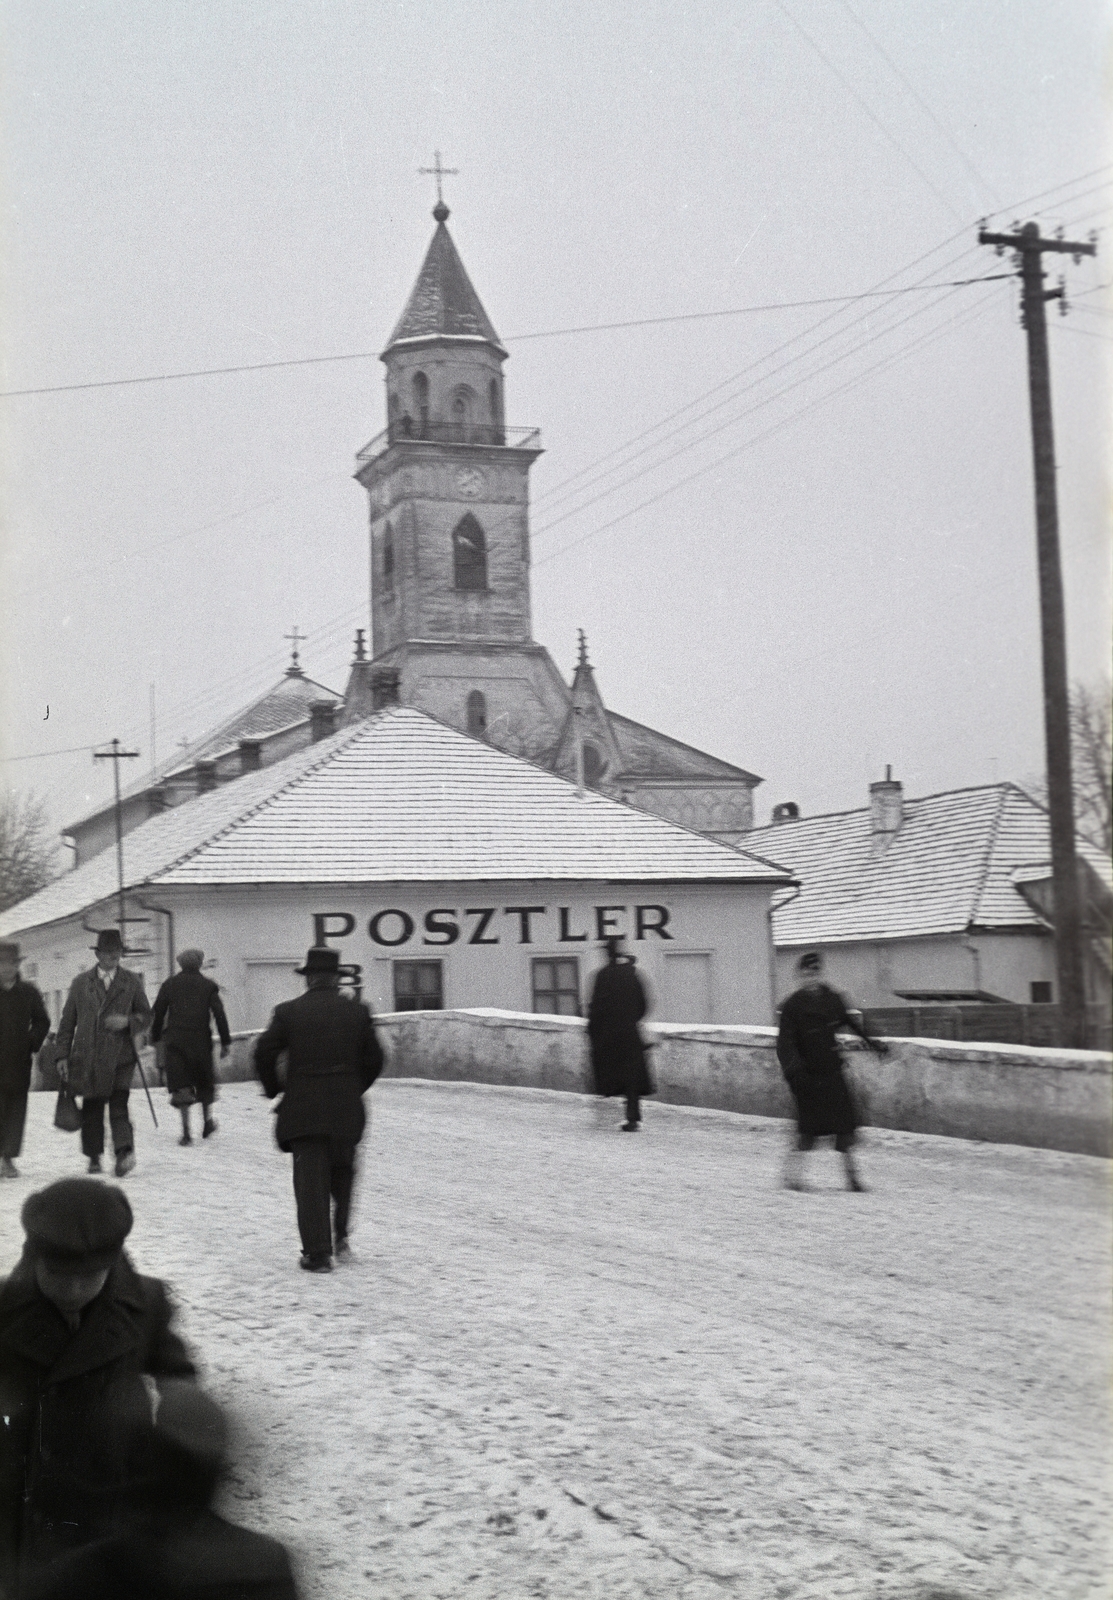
(617, 1005)
(105, 1012)
(24, 1025)
(333, 1058)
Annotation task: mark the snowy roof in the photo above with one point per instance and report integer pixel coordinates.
(649, 754)
(443, 304)
(950, 866)
(399, 797)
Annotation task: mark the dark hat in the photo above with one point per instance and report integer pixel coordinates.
(810, 963)
(322, 958)
(9, 950)
(108, 939)
(77, 1224)
(191, 960)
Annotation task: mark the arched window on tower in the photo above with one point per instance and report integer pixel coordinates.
(388, 558)
(462, 413)
(594, 766)
(469, 554)
(477, 714)
(393, 415)
(494, 405)
(421, 403)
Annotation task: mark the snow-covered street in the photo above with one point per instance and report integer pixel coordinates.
(568, 1363)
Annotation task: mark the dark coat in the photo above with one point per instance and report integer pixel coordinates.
(62, 1464)
(97, 1055)
(24, 1025)
(333, 1058)
(616, 1007)
(808, 1051)
(191, 999)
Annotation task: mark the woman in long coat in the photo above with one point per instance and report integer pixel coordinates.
(616, 1007)
(808, 1051)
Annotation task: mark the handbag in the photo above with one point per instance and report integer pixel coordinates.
(67, 1112)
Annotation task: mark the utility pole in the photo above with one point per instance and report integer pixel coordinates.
(115, 754)
(1029, 248)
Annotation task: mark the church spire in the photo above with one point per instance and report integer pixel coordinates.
(443, 305)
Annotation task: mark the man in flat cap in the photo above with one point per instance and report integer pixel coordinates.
(105, 1012)
(808, 1051)
(79, 1331)
(191, 999)
(333, 1058)
(617, 1005)
(24, 1025)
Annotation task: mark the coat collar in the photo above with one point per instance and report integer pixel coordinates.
(33, 1329)
(100, 991)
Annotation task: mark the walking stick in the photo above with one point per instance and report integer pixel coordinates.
(146, 1091)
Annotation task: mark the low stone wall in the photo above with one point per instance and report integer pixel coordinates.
(1054, 1099)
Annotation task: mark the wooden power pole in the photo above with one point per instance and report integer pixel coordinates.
(115, 754)
(1029, 247)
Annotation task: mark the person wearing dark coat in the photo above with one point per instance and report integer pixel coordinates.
(617, 1005)
(191, 1000)
(105, 1012)
(168, 1544)
(80, 1330)
(24, 1025)
(808, 1051)
(333, 1058)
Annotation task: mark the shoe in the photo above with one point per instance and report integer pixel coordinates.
(186, 1138)
(630, 1127)
(315, 1263)
(343, 1251)
(125, 1162)
(798, 1185)
(94, 1164)
(209, 1129)
(856, 1186)
(8, 1168)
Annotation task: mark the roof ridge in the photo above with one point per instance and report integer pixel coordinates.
(909, 800)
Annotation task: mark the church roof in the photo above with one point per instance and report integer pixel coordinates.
(399, 797)
(648, 754)
(443, 304)
(951, 865)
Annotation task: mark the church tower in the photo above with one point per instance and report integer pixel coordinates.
(448, 484)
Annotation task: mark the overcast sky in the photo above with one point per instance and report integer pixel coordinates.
(821, 560)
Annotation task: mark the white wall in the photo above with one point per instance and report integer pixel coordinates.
(1004, 964)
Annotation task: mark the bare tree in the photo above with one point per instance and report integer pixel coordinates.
(28, 851)
(1091, 715)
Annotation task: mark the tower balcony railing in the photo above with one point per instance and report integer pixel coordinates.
(407, 431)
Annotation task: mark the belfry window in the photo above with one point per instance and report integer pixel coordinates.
(469, 554)
(594, 766)
(421, 402)
(388, 557)
(477, 714)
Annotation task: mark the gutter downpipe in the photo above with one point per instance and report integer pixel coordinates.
(164, 911)
(798, 891)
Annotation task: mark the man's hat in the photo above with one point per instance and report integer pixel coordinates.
(77, 1224)
(9, 951)
(810, 963)
(322, 958)
(109, 942)
(191, 960)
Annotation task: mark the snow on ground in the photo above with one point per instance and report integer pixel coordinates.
(569, 1363)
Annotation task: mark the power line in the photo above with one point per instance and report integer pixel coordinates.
(42, 755)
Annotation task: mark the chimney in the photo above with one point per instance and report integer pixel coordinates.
(886, 808)
(206, 776)
(322, 719)
(386, 684)
(787, 811)
(251, 755)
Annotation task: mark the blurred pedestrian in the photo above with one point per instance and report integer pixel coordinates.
(191, 1000)
(808, 1051)
(617, 1005)
(24, 1025)
(168, 1544)
(79, 1331)
(333, 1058)
(105, 1012)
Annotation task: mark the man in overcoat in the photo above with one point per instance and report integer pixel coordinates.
(617, 1005)
(24, 1025)
(79, 1330)
(333, 1058)
(808, 1051)
(105, 1012)
(191, 999)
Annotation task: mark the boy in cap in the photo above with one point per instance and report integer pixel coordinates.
(105, 1011)
(191, 999)
(79, 1329)
(24, 1025)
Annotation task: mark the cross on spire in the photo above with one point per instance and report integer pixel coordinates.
(439, 172)
(295, 638)
(583, 661)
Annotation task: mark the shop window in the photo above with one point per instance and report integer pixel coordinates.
(418, 986)
(556, 986)
(477, 714)
(1041, 994)
(469, 554)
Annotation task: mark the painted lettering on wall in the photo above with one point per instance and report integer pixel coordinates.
(394, 926)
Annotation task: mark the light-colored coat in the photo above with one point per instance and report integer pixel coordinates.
(96, 1053)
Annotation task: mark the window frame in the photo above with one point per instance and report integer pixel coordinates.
(407, 963)
(536, 991)
(475, 561)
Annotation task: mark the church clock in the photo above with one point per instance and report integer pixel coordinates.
(470, 482)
